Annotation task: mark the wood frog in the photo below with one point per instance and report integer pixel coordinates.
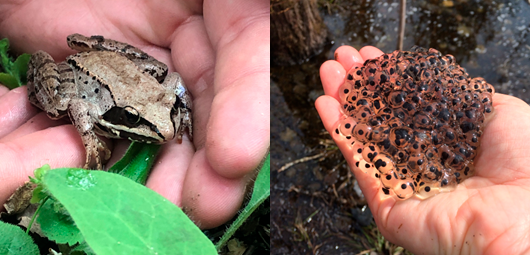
(110, 89)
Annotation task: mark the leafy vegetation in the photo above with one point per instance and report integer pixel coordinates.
(13, 241)
(13, 73)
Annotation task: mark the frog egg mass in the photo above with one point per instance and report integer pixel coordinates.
(414, 119)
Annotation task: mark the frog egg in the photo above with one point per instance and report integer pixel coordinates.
(396, 99)
(385, 113)
(486, 99)
(370, 68)
(416, 162)
(402, 115)
(384, 163)
(432, 109)
(389, 68)
(426, 190)
(432, 171)
(370, 150)
(366, 167)
(401, 136)
(458, 162)
(409, 108)
(346, 125)
(464, 150)
(387, 147)
(422, 120)
(448, 180)
(363, 113)
(346, 93)
(357, 149)
(362, 132)
(468, 170)
(372, 83)
(404, 189)
(449, 135)
(472, 139)
(401, 156)
(356, 74)
(402, 171)
(380, 133)
(446, 155)
(389, 180)
(395, 122)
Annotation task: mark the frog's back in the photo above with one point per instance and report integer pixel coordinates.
(117, 74)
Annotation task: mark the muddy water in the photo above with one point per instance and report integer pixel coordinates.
(316, 205)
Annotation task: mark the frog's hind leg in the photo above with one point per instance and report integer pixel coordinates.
(145, 62)
(50, 86)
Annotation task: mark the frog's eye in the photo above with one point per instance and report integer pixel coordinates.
(131, 114)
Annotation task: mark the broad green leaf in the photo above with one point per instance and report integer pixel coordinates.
(13, 241)
(13, 72)
(137, 162)
(8, 80)
(5, 61)
(57, 224)
(20, 68)
(262, 190)
(118, 216)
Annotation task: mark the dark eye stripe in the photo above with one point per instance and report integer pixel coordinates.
(118, 116)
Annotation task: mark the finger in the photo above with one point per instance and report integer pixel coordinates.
(3, 90)
(38, 122)
(209, 198)
(169, 171)
(349, 57)
(332, 74)
(370, 52)
(58, 146)
(15, 110)
(328, 109)
(197, 69)
(239, 126)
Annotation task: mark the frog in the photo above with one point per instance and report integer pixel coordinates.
(110, 89)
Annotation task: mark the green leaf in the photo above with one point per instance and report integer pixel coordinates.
(262, 190)
(57, 224)
(13, 241)
(39, 192)
(8, 80)
(14, 72)
(5, 61)
(137, 162)
(20, 68)
(118, 216)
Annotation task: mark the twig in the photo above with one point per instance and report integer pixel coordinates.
(301, 160)
(402, 18)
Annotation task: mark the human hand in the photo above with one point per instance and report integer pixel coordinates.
(485, 214)
(220, 49)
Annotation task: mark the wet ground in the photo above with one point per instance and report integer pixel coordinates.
(316, 205)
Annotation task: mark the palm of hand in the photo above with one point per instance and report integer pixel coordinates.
(189, 37)
(486, 213)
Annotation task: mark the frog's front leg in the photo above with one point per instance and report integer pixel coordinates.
(144, 62)
(97, 152)
(182, 110)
